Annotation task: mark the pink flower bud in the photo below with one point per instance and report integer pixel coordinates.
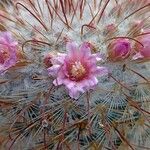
(119, 49)
(143, 51)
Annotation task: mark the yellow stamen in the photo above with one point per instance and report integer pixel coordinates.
(77, 70)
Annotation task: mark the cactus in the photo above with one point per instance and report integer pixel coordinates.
(74, 74)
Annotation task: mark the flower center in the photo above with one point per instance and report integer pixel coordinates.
(77, 70)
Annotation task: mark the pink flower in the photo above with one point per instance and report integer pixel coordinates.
(8, 54)
(77, 69)
(119, 49)
(143, 51)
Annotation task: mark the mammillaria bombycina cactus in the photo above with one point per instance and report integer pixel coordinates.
(74, 74)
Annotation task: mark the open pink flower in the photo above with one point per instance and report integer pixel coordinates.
(8, 54)
(77, 69)
(143, 51)
(119, 49)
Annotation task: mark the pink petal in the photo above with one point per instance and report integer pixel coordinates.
(53, 70)
(58, 81)
(69, 84)
(98, 56)
(84, 84)
(7, 39)
(85, 50)
(93, 81)
(59, 59)
(10, 61)
(88, 83)
(14, 43)
(146, 52)
(92, 57)
(73, 85)
(74, 93)
(137, 56)
(72, 49)
(101, 71)
(8, 44)
(74, 88)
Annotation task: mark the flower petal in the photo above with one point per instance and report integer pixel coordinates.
(69, 84)
(53, 70)
(74, 93)
(10, 61)
(146, 52)
(101, 71)
(59, 59)
(98, 56)
(84, 50)
(93, 81)
(58, 81)
(137, 56)
(74, 88)
(8, 46)
(72, 49)
(7, 39)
